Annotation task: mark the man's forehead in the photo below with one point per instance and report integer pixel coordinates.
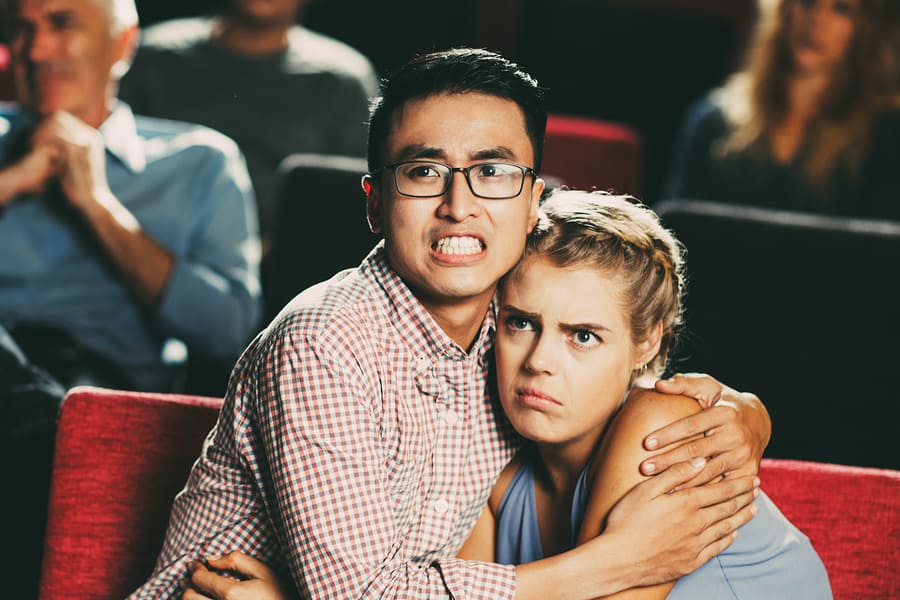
(501, 147)
(53, 6)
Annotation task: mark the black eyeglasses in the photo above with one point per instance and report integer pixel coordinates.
(429, 179)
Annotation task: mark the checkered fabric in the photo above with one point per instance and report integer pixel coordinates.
(358, 442)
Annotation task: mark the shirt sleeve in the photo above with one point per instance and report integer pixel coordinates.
(212, 299)
(220, 508)
(334, 511)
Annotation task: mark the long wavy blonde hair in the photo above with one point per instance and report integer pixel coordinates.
(755, 99)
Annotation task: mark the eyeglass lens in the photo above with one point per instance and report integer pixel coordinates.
(487, 180)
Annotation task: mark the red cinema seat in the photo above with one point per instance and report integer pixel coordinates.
(7, 88)
(585, 153)
(120, 458)
(852, 517)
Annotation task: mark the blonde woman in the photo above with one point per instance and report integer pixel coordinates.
(811, 123)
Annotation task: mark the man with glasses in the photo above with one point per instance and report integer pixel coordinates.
(360, 436)
(429, 179)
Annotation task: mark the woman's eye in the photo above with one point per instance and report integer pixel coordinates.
(585, 338)
(518, 324)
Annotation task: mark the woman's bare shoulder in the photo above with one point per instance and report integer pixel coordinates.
(647, 410)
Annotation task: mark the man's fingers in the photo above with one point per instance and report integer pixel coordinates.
(703, 388)
(716, 547)
(209, 583)
(726, 527)
(721, 494)
(676, 476)
(684, 428)
(660, 462)
(241, 563)
(192, 594)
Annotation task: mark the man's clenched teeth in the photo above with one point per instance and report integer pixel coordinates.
(459, 245)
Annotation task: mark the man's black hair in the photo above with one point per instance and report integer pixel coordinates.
(457, 71)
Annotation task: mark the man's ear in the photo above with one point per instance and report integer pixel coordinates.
(533, 210)
(649, 348)
(126, 45)
(373, 203)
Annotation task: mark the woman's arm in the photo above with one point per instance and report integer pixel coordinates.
(480, 543)
(615, 470)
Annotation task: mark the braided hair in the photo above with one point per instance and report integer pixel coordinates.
(621, 237)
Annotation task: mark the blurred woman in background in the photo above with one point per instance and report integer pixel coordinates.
(811, 123)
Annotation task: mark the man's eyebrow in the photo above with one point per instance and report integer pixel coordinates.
(414, 151)
(423, 151)
(495, 152)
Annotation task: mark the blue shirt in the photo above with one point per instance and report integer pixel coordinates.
(188, 188)
(770, 558)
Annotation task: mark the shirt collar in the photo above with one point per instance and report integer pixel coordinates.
(119, 131)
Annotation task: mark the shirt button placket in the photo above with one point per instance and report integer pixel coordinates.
(441, 506)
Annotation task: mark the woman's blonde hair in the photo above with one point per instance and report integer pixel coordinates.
(625, 239)
(755, 99)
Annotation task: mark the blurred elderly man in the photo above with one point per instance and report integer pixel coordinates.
(117, 232)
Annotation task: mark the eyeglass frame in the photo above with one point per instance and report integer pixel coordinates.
(449, 181)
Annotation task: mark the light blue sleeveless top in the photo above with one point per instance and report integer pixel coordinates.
(770, 558)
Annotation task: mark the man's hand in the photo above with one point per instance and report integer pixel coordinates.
(669, 534)
(82, 160)
(144, 263)
(735, 428)
(259, 581)
(31, 173)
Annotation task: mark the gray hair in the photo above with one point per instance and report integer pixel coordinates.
(122, 13)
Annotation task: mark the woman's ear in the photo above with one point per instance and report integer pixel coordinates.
(649, 347)
(373, 204)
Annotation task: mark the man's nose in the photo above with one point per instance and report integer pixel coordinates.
(459, 203)
(38, 44)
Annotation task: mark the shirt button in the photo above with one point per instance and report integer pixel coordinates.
(441, 506)
(451, 417)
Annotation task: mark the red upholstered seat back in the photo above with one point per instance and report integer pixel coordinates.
(122, 456)
(7, 87)
(120, 459)
(588, 153)
(852, 517)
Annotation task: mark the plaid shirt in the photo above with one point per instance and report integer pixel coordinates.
(359, 443)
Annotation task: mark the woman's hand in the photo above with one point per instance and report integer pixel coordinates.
(259, 581)
(735, 427)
